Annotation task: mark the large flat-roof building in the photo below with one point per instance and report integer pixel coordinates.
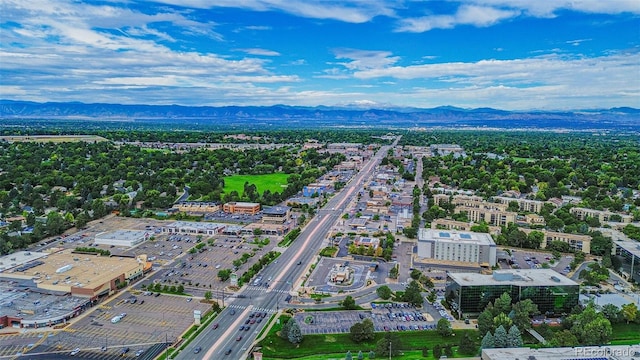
(276, 215)
(247, 208)
(84, 275)
(469, 293)
(194, 228)
(604, 352)
(127, 238)
(460, 246)
(526, 205)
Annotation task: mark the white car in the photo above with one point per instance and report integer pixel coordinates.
(74, 351)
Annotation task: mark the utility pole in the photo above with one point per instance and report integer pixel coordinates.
(389, 348)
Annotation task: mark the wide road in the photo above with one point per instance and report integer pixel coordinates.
(284, 275)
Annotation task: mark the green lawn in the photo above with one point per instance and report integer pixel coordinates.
(335, 346)
(625, 334)
(272, 182)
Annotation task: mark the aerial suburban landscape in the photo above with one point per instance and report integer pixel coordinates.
(263, 180)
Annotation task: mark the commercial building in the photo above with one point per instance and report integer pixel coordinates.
(629, 250)
(276, 215)
(575, 241)
(84, 275)
(367, 242)
(469, 293)
(605, 352)
(126, 238)
(197, 207)
(24, 307)
(460, 246)
(193, 228)
(247, 208)
(601, 215)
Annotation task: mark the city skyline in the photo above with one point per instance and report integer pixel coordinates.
(512, 55)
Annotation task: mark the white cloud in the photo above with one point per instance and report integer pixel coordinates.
(260, 52)
(351, 11)
(479, 16)
(365, 59)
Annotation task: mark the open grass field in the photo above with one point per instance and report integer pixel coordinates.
(272, 182)
(625, 334)
(335, 346)
(53, 138)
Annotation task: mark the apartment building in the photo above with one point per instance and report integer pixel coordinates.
(490, 216)
(525, 205)
(602, 215)
(575, 241)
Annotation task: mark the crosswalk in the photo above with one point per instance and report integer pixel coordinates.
(262, 289)
(254, 309)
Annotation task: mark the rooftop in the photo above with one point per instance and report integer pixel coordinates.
(276, 210)
(617, 352)
(19, 258)
(196, 225)
(631, 246)
(122, 235)
(32, 305)
(520, 277)
(60, 271)
(467, 237)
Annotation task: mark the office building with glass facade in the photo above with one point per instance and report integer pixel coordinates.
(469, 293)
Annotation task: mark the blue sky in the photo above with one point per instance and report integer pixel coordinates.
(507, 54)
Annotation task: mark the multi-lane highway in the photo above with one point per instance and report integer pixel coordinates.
(224, 339)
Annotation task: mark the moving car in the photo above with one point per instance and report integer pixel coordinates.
(197, 349)
(75, 352)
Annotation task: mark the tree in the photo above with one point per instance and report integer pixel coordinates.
(384, 292)
(488, 341)
(485, 322)
(612, 313)
(284, 332)
(590, 327)
(522, 313)
(390, 341)
(467, 346)
(502, 320)
(363, 331)
(415, 274)
(372, 355)
(437, 351)
(630, 312)
(503, 304)
(208, 295)
(360, 355)
(82, 219)
(224, 274)
(564, 338)
(295, 334)
(349, 303)
(514, 337)
(448, 350)
(444, 327)
(348, 356)
(55, 223)
(500, 337)
(180, 289)
(412, 294)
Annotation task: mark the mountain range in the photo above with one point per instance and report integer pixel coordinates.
(623, 118)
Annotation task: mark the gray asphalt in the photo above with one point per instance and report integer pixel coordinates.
(284, 274)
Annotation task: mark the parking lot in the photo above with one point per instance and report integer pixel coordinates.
(530, 259)
(148, 321)
(386, 317)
